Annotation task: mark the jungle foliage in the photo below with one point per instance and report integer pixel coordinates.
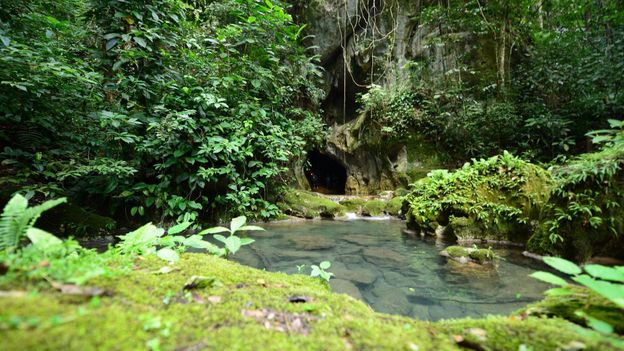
(154, 108)
(530, 77)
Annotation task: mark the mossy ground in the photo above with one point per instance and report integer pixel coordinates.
(213, 318)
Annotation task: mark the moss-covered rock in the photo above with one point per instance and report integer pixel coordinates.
(394, 206)
(243, 308)
(374, 208)
(494, 199)
(300, 203)
(469, 254)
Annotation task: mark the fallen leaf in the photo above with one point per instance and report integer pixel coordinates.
(13, 293)
(198, 298)
(214, 299)
(281, 321)
(69, 289)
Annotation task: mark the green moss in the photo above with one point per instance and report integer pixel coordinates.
(393, 207)
(493, 199)
(300, 203)
(353, 204)
(457, 251)
(482, 255)
(478, 255)
(374, 208)
(581, 299)
(135, 313)
(509, 333)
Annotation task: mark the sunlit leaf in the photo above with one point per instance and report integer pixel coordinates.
(563, 265)
(237, 223)
(168, 254)
(549, 278)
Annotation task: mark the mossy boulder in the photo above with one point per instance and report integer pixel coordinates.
(494, 199)
(306, 204)
(241, 308)
(394, 206)
(374, 208)
(469, 254)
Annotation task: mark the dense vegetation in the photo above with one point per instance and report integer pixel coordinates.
(157, 108)
(178, 112)
(530, 77)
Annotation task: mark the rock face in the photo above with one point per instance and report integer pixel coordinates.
(360, 44)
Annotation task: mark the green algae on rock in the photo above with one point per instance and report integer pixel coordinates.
(245, 308)
(469, 254)
(306, 204)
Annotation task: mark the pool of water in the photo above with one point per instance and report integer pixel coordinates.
(394, 273)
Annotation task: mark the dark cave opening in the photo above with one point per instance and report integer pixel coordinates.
(325, 174)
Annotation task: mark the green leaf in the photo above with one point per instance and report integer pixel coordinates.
(595, 323)
(605, 273)
(251, 228)
(233, 243)
(41, 238)
(325, 265)
(612, 292)
(237, 223)
(111, 43)
(247, 241)
(168, 254)
(549, 278)
(5, 40)
(221, 238)
(140, 41)
(563, 265)
(178, 228)
(214, 230)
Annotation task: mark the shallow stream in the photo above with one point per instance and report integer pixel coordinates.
(394, 273)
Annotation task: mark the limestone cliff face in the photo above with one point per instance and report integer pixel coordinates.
(378, 40)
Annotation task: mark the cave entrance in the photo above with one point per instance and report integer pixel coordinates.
(325, 174)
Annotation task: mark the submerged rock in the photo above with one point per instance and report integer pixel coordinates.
(311, 242)
(344, 286)
(382, 256)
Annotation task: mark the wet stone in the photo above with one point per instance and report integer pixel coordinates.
(383, 256)
(343, 286)
(311, 242)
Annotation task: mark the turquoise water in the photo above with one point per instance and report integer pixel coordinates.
(393, 273)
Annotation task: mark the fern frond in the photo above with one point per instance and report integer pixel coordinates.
(17, 218)
(11, 221)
